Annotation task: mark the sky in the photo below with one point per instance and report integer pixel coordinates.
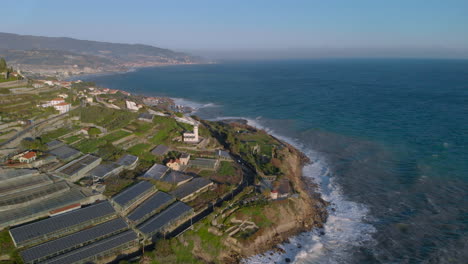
(255, 28)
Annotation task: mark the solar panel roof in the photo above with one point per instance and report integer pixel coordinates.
(64, 152)
(159, 221)
(78, 164)
(156, 202)
(74, 240)
(160, 150)
(16, 173)
(155, 172)
(18, 214)
(175, 177)
(190, 187)
(132, 193)
(23, 183)
(209, 163)
(127, 160)
(94, 248)
(104, 170)
(54, 144)
(59, 222)
(33, 194)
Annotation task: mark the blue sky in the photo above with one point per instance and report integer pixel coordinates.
(255, 26)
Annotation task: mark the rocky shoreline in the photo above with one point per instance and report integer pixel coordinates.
(309, 209)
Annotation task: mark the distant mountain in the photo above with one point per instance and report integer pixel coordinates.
(59, 54)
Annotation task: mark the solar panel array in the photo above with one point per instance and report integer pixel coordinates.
(67, 243)
(175, 177)
(156, 172)
(205, 163)
(23, 183)
(127, 160)
(152, 205)
(19, 214)
(54, 144)
(77, 165)
(64, 152)
(160, 150)
(16, 173)
(54, 224)
(94, 249)
(190, 187)
(158, 222)
(33, 194)
(133, 193)
(104, 170)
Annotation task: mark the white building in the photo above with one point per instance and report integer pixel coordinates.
(62, 107)
(53, 102)
(192, 137)
(132, 105)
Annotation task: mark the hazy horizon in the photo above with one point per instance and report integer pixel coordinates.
(256, 30)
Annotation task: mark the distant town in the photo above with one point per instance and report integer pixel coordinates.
(95, 175)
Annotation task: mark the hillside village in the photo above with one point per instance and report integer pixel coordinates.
(91, 174)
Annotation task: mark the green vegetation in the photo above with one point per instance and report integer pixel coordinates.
(167, 129)
(71, 139)
(109, 152)
(35, 144)
(7, 247)
(55, 134)
(254, 213)
(226, 169)
(179, 250)
(115, 184)
(114, 136)
(3, 65)
(89, 145)
(139, 149)
(109, 118)
(94, 131)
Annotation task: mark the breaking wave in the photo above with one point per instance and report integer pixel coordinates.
(344, 229)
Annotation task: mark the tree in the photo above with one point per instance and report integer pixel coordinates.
(30, 143)
(3, 65)
(94, 131)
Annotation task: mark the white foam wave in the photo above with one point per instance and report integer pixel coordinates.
(192, 104)
(345, 226)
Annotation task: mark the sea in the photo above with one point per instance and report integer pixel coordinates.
(388, 141)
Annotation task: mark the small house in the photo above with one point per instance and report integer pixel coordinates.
(28, 157)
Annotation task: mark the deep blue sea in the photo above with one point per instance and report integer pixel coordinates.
(388, 137)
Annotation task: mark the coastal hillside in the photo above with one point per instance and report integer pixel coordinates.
(68, 56)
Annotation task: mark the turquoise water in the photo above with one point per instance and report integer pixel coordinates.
(388, 137)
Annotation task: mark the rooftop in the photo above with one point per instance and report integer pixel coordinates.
(20, 214)
(54, 144)
(104, 170)
(78, 164)
(146, 116)
(175, 177)
(190, 187)
(16, 173)
(129, 195)
(94, 248)
(64, 152)
(74, 240)
(154, 203)
(156, 172)
(127, 160)
(59, 222)
(160, 221)
(160, 150)
(33, 194)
